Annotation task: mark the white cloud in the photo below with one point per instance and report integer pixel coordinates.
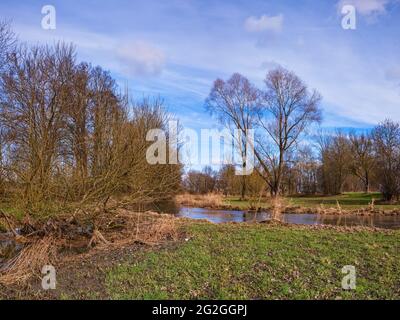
(354, 86)
(264, 23)
(141, 58)
(366, 7)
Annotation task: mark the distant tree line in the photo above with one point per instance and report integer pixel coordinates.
(362, 161)
(288, 159)
(329, 164)
(223, 181)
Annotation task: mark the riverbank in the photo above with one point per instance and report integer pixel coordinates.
(346, 204)
(231, 261)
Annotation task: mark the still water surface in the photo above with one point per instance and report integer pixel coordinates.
(221, 216)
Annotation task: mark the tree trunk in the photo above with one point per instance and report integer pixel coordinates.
(366, 182)
(278, 180)
(243, 188)
(275, 189)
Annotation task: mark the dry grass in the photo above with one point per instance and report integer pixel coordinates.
(372, 205)
(61, 240)
(339, 208)
(210, 200)
(149, 227)
(28, 261)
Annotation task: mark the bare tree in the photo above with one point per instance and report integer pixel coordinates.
(387, 148)
(363, 159)
(235, 103)
(203, 182)
(68, 135)
(336, 157)
(153, 182)
(281, 115)
(7, 42)
(306, 171)
(32, 113)
(288, 110)
(76, 123)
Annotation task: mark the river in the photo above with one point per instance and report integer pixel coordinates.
(223, 216)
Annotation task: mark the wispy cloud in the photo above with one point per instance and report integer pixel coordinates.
(264, 23)
(367, 7)
(178, 50)
(141, 58)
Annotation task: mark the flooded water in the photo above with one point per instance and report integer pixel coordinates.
(221, 216)
(8, 248)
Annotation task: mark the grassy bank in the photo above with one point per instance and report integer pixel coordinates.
(238, 262)
(259, 262)
(347, 201)
(351, 201)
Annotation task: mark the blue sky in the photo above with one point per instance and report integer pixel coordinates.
(177, 48)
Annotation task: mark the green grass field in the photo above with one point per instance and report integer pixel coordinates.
(355, 200)
(262, 262)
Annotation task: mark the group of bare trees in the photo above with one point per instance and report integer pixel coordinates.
(202, 182)
(343, 156)
(223, 181)
(372, 158)
(386, 139)
(68, 135)
(330, 163)
(280, 114)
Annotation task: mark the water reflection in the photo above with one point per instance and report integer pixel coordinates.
(8, 248)
(221, 216)
(169, 206)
